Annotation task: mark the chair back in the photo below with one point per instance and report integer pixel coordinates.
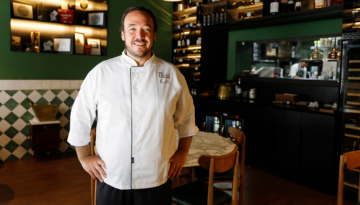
(237, 134)
(348, 160)
(221, 164)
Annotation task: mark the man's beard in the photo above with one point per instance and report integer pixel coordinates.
(134, 53)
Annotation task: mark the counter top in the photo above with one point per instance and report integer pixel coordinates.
(259, 102)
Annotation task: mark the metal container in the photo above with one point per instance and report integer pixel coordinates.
(45, 112)
(225, 90)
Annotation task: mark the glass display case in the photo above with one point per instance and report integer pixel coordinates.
(350, 91)
(316, 58)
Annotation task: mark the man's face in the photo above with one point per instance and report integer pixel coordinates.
(303, 64)
(138, 34)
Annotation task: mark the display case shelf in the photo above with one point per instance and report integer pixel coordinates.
(348, 126)
(352, 136)
(189, 11)
(243, 9)
(185, 21)
(352, 111)
(353, 94)
(354, 61)
(352, 103)
(351, 185)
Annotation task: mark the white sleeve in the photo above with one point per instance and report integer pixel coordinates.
(293, 70)
(185, 112)
(83, 112)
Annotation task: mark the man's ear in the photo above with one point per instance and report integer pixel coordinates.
(122, 35)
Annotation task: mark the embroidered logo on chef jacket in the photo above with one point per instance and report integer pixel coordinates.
(164, 77)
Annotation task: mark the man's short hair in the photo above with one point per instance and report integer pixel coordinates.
(138, 8)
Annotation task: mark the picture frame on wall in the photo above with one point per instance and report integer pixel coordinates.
(97, 18)
(79, 43)
(23, 10)
(95, 46)
(63, 44)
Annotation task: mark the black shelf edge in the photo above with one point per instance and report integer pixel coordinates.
(331, 12)
(310, 82)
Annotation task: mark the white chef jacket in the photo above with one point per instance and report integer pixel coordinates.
(294, 69)
(136, 118)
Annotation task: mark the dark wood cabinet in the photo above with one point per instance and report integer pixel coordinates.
(44, 137)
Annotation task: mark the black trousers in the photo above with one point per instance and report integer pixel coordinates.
(108, 195)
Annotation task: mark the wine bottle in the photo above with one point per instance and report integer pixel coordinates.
(188, 40)
(204, 17)
(319, 4)
(217, 15)
(179, 41)
(291, 6)
(284, 6)
(208, 22)
(298, 5)
(183, 40)
(274, 7)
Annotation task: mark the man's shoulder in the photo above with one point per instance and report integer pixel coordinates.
(165, 64)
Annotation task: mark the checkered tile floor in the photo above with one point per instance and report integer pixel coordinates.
(15, 113)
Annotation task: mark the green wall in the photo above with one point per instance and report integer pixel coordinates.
(307, 29)
(21, 65)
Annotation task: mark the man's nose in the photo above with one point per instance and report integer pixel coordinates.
(140, 34)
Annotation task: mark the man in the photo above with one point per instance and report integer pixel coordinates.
(298, 70)
(140, 99)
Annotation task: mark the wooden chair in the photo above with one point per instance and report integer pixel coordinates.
(93, 152)
(200, 192)
(348, 160)
(202, 175)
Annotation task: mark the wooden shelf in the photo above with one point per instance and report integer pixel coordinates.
(354, 61)
(189, 11)
(353, 94)
(352, 127)
(351, 185)
(190, 47)
(352, 136)
(352, 111)
(352, 103)
(55, 23)
(243, 9)
(353, 78)
(184, 21)
(354, 70)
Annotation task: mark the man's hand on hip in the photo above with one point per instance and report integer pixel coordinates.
(177, 162)
(179, 158)
(94, 166)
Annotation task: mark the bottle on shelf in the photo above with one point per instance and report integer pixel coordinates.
(333, 54)
(224, 15)
(274, 7)
(183, 40)
(216, 125)
(291, 6)
(217, 15)
(188, 40)
(319, 4)
(221, 15)
(316, 54)
(179, 41)
(293, 52)
(284, 6)
(209, 22)
(204, 17)
(199, 17)
(198, 40)
(251, 2)
(298, 5)
(238, 89)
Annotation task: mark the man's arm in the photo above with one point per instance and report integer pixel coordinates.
(179, 158)
(91, 163)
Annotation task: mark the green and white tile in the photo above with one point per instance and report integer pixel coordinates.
(4, 97)
(15, 113)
